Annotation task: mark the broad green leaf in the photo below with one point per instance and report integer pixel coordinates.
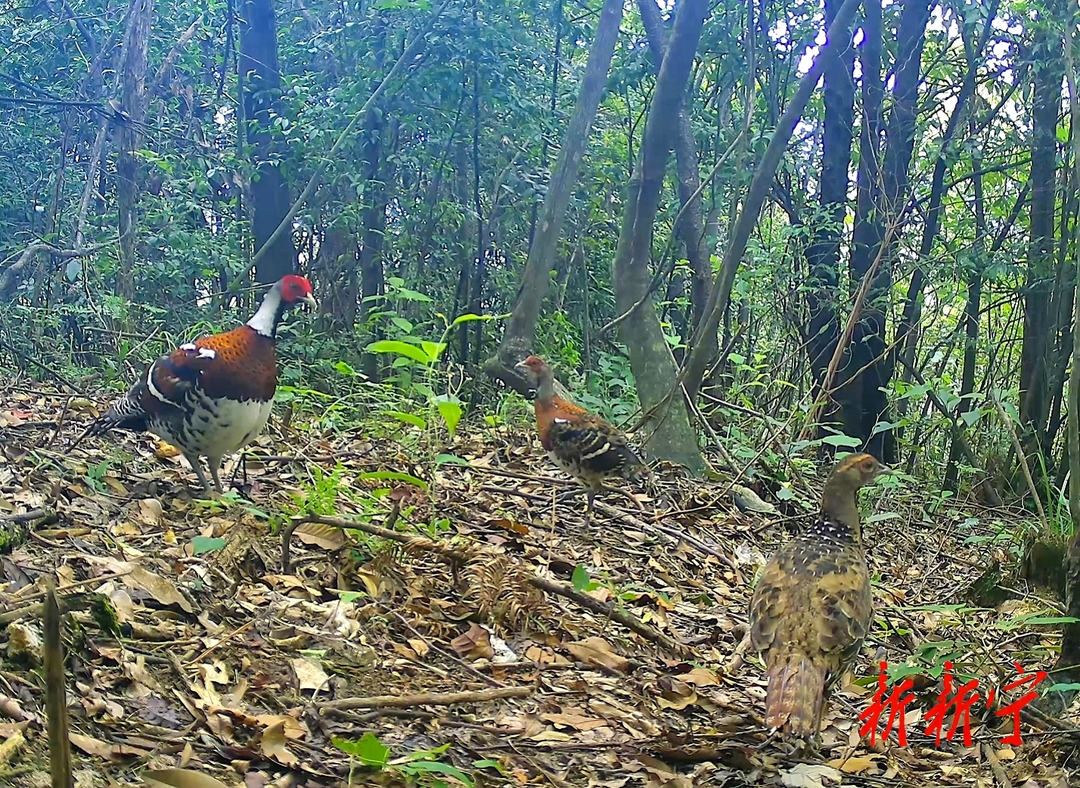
(433, 349)
(470, 318)
(580, 579)
(408, 418)
(450, 410)
(207, 544)
(450, 459)
(368, 749)
(400, 348)
(842, 440)
(438, 767)
(1071, 687)
(394, 476)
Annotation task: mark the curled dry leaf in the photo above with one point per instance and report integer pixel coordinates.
(598, 653)
(180, 778)
(309, 675)
(273, 744)
(474, 644)
(810, 775)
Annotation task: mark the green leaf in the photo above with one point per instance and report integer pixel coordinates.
(395, 476)
(842, 440)
(488, 763)
(408, 418)
(433, 349)
(368, 750)
(344, 369)
(207, 544)
(421, 767)
(450, 410)
(1071, 687)
(580, 579)
(877, 518)
(400, 348)
(450, 459)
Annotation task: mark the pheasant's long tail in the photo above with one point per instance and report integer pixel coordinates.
(125, 413)
(796, 696)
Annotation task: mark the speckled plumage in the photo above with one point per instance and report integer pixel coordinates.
(213, 396)
(812, 606)
(580, 443)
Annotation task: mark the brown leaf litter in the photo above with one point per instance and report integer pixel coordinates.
(476, 614)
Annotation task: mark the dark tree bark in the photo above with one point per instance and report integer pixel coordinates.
(136, 42)
(261, 81)
(822, 331)
(703, 346)
(881, 194)
(1047, 73)
(691, 227)
(520, 331)
(669, 432)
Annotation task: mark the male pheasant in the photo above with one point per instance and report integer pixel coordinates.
(211, 397)
(582, 444)
(812, 606)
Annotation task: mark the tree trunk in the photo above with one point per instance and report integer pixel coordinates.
(520, 331)
(881, 195)
(670, 434)
(270, 200)
(1047, 73)
(703, 345)
(691, 227)
(822, 330)
(136, 41)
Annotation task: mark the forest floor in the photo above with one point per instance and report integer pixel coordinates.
(492, 638)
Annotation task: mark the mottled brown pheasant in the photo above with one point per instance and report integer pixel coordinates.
(812, 606)
(581, 443)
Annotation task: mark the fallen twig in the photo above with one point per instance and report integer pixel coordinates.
(464, 554)
(624, 617)
(27, 517)
(426, 699)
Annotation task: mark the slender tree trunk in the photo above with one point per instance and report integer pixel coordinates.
(670, 434)
(133, 104)
(692, 225)
(1047, 73)
(703, 347)
(521, 329)
(882, 192)
(822, 330)
(270, 200)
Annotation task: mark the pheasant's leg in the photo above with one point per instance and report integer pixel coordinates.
(566, 495)
(215, 464)
(590, 494)
(197, 467)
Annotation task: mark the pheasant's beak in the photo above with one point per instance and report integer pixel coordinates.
(885, 469)
(309, 299)
(520, 365)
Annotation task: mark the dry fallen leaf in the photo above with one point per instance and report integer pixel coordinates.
(180, 778)
(598, 652)
(856, 764)
(474, 644)
(810, 775)
(309, 675)
(273, 743)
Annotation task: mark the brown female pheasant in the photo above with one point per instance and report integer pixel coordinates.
(211, 397)
(812, 606)
(585, 446)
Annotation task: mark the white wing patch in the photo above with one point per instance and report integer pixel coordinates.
(188, 346)
(561, 421)
(205, 352)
